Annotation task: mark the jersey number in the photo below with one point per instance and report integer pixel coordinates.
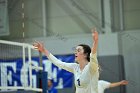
(78, 80)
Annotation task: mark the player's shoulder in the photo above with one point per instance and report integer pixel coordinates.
(104, 84)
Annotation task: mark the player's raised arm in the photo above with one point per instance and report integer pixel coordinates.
(95, 41)
(93, 55)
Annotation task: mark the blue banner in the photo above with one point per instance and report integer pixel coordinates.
(12, 72)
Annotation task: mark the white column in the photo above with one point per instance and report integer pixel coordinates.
(121, 15)
(44, 17)
(107, 16)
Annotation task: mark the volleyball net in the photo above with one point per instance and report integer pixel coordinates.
(18, 71)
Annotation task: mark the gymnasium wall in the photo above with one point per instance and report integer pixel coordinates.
(129, 44)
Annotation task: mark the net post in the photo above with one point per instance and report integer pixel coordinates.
(42, 81)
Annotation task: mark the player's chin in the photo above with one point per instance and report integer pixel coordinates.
(76, 60)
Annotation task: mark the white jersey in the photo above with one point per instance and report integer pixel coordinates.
(102, 85)
(86, 81)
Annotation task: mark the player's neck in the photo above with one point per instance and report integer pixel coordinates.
(83, 64)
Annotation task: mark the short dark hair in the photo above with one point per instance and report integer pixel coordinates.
(87, 50)
(51, 80)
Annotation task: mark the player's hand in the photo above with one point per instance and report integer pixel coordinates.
(94, 34)
(39, 46)
(124, 82)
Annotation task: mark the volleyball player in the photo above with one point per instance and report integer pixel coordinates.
(85, 69)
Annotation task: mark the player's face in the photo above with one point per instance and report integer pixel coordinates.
(49, 83)
(79, 54)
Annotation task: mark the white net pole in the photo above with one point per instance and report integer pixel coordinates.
(22, 46)
(30, 65)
